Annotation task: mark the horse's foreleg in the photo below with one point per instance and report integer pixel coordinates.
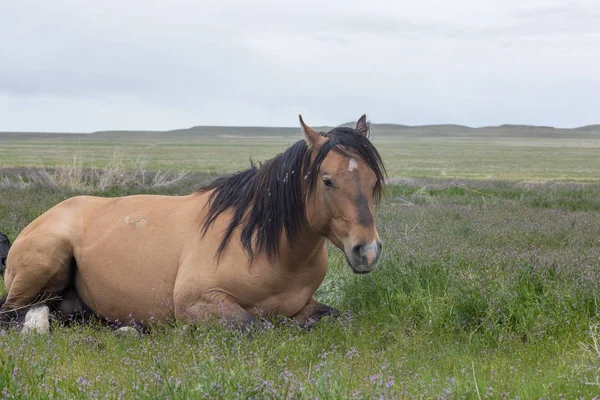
(312, 312)
(220, 305)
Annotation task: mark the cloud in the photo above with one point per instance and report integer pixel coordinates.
(169, 64)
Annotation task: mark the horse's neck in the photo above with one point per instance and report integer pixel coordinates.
(307, 248)
(310, 243)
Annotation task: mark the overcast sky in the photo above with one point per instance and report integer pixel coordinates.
(83, 66)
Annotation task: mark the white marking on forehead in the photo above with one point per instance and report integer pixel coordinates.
(352, 165)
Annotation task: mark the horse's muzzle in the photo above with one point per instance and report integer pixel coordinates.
(363, 258)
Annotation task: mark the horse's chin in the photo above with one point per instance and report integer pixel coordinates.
(357, 271)
(360, 272)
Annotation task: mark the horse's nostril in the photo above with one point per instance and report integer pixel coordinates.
(356, 250)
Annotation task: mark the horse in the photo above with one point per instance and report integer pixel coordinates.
(247, 245)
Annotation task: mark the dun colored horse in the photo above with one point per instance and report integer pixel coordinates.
(246, 245)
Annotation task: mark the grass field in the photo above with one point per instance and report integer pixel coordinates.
(426, 152)
(488, 288)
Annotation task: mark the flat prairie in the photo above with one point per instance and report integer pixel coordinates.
(488, 285)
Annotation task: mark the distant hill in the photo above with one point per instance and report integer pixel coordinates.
(45, 135)
(593, 128)
(232, 132)
(523, 127)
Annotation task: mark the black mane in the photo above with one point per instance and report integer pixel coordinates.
(268, 199)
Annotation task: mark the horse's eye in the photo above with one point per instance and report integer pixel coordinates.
(327, 182)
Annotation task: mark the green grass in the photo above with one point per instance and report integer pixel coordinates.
(474, 154)
(488, 286)
(486, 289)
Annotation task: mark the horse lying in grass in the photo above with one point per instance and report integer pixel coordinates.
(246, 245)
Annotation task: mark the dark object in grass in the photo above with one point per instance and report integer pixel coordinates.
(4, 247)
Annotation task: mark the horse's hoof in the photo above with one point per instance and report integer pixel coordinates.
(37, 320)
(127, 331)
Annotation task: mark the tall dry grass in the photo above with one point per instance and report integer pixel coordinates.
(79, 175)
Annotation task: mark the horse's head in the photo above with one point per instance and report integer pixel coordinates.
(345, 177)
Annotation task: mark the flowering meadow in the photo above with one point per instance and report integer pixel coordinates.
(486, 289)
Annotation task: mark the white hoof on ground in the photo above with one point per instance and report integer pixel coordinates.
(127, 331)
(37, 320)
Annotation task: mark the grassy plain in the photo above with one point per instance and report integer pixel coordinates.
(424, 152)
(488, 288)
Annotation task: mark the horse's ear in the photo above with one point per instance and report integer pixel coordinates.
(312, 137)
(362, 126)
